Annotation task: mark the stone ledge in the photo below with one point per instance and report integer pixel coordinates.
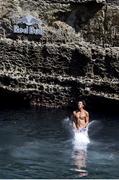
(75, 1)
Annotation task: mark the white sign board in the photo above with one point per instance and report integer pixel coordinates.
(28, 25)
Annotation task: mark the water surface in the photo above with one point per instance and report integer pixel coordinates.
(38, 143)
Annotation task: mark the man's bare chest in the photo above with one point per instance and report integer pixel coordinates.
(81, 116)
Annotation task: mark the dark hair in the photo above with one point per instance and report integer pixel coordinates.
(84, 102)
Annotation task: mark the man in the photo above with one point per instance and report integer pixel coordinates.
(80, 117)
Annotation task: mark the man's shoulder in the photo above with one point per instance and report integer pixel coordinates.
(76, 111)
(87, 113)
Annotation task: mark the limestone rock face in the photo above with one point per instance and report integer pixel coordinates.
(78, 55)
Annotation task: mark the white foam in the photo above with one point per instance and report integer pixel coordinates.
(78, 136)
(81, 139)
(81, 136)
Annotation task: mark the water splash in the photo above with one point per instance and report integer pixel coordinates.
(80, 142)
(67, 122)
(94, 127)
(81, 138)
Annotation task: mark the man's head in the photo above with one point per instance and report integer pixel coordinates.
(81, 104)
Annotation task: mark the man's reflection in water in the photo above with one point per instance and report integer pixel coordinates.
(79, 156)
(79, 159)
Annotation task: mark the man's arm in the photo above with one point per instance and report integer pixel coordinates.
(87, 119)
(74, 114)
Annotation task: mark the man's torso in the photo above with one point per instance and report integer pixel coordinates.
(81, 119)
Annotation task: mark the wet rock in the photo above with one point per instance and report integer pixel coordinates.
(78, 55)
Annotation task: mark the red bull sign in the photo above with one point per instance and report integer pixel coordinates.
(28, 25)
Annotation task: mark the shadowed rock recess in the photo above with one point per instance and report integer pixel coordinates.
(77, 56)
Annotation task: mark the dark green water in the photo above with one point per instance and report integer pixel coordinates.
(38, 144)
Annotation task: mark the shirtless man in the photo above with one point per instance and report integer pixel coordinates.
(80, 117)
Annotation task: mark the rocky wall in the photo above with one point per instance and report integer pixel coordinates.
(78, 55)
(56, 75)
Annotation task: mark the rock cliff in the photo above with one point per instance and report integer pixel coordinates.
(78, 55)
